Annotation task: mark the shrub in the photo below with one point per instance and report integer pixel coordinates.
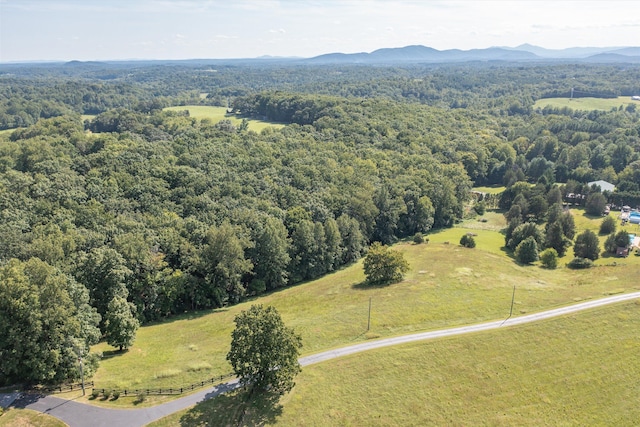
(580, 263)
(95, 393)
(115, 395)
(468, 241)
(549, 258)
(480, 208)
(527, 251)
(140, 397)
(418, 238)
(607, 226)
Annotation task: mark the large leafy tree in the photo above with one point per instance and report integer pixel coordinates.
(384, 265)
(223, 264)
(46, 323)
(587, 245)
(120, 324)
(264, 352)
(270, 254)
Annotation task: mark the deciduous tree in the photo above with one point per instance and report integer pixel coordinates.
(384, 265)
(587, 245)
(264, 352)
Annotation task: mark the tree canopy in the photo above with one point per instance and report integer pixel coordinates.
(264, 352)
(383, 265)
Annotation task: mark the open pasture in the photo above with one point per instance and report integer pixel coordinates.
(580, 369)
(216, 114)
(586, 104)
(447, 286)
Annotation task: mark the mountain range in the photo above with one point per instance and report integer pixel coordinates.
(522, 53)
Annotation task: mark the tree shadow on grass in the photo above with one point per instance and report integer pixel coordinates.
(364, 285)
(108, 354)
(235, 409)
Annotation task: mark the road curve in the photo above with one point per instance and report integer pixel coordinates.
(77, 414)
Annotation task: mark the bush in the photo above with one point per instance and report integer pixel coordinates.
(549, 258)
(468, 241)
(580, 263)
(527, 251)
(480, 208)
(607, 226)
(140, 397)
(95, 393)
(115, 395)
(417, 238)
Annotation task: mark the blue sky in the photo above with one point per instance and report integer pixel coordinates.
(183, 29)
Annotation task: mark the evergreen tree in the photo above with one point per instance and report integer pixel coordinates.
(527, 251)
(607, 226)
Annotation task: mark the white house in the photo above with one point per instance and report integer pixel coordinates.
(604, 185)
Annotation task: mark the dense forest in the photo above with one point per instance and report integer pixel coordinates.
(132, 211)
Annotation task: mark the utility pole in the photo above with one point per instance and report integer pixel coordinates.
(81, 374)
(513, 297)
(369, 320)
(571, 93)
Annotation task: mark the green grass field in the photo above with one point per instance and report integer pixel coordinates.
(581, 369)
(215, 114)
(497, 189)
(586, 104)
(28, 418)
(447, 286)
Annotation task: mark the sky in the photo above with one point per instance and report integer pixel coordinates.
(86, 30)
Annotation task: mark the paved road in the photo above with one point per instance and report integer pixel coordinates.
(80, 415)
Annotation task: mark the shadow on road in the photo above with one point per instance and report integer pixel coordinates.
(233, 408)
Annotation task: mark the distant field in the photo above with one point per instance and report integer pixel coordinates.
(586, 103)
(577, 370)
(216, 114)
(447, 286)
(490, 190)
(6, 132)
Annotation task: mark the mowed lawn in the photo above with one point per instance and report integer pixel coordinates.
(582, 369)
(447, 286)
(586, 104)
(216, 114)
(28, 418)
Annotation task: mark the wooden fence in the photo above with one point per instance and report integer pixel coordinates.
(97, 391)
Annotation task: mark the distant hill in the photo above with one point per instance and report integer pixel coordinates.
(414, 54)
(523, 53)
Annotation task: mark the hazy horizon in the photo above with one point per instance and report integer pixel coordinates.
(65, 30)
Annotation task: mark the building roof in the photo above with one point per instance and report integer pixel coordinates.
(604, 185)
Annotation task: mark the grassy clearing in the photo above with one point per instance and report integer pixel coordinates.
(586, 104)
(216, 114)
(581, 369)
(495, 189)
(28, 418)
(447, 286)
(4, 133)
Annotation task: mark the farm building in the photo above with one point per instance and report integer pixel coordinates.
(604, 185)
(635, 98)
